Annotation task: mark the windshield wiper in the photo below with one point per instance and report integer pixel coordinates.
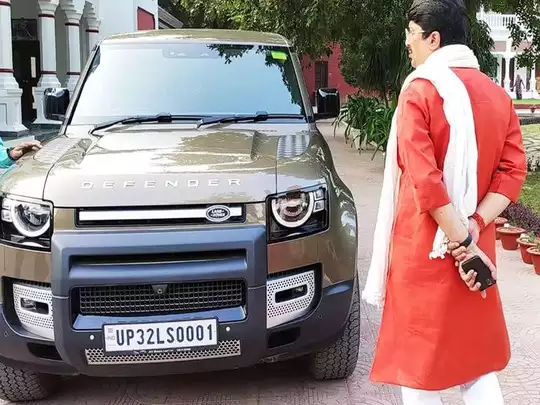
(163, 117)
(259, 116)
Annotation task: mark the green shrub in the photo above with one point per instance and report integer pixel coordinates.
(370, 118)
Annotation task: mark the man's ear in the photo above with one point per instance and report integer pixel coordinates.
(434, 40)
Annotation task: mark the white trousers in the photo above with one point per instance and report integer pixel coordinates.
(483, 391)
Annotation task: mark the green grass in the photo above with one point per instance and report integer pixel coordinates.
(527, 101)
(530, 193)
(532, 130)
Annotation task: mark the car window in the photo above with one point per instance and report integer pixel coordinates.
(187, 78)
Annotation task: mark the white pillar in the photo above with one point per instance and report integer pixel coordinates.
(47, 39)
(92, 32)
(499, 70)
(73, 22)
(10, 92)
(507, 72)
(532, 83)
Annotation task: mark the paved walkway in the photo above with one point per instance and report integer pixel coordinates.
(286, 384)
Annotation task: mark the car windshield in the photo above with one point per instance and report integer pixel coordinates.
(187, 79)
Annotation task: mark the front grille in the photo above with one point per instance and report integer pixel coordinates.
(226, 348)
(148, 300)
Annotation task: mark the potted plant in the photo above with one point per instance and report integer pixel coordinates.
(499, 222)
(535, 255)
(525, 241)
(508, 235)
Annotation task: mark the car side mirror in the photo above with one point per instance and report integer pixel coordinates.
(56, 103)
(328, 103)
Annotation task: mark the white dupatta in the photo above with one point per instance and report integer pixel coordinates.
(460, 163)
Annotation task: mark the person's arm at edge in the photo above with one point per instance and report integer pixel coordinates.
(5, 159)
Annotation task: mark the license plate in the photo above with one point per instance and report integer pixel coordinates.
(160, 336)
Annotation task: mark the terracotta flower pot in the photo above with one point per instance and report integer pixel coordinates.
(499, 221)
(509, 235)
(535, 256)
(523, 247)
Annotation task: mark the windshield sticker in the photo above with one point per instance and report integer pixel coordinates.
(278, 55)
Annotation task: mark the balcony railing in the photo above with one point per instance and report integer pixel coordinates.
(496, 21)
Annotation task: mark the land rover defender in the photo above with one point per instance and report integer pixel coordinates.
(186, 217)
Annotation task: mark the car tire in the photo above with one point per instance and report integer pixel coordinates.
(18, 385)
(338, 361)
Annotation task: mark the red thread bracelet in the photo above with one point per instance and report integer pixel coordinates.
(479, 220)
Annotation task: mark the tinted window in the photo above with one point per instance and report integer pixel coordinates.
(188, 78)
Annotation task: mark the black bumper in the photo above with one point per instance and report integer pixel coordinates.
(66, 355)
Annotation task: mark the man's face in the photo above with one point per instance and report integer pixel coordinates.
(420, 48)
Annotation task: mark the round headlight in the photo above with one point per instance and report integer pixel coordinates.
(293, 209)
(30, 219)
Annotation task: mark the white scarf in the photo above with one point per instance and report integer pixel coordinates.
(459, 174)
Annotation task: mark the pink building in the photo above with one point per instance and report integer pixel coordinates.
(325, 72)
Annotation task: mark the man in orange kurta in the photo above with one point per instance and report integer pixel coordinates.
(435, 332)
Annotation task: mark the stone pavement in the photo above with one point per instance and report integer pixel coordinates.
(286, 383)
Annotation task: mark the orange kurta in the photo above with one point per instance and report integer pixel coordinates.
(435, 333)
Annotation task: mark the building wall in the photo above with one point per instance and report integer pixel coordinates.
(116, 17)
(335, 78)
(121, 15)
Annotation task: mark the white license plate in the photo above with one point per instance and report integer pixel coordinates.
(159, 336)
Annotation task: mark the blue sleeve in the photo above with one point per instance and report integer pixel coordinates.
(5, 160)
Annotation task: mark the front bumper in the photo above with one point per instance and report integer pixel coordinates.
(253, 332)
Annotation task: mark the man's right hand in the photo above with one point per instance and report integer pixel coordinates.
(461, 254)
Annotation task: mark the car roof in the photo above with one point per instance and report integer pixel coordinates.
(200, 35)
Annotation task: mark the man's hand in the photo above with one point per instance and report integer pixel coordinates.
(18, 151)
(461, 254)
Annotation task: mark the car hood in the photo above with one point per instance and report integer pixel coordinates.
(163, 166)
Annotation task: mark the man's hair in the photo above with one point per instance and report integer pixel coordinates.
(448, 17)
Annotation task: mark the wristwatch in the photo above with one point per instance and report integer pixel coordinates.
(8, 151)
(468, 240)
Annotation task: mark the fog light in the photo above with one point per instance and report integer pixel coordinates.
(29, 305)
(34, 306)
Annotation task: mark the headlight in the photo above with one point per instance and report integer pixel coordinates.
(298, 213)
(26, 221)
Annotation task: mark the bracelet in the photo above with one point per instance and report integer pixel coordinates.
(479, 220)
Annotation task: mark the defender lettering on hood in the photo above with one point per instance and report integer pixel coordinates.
(164, 184)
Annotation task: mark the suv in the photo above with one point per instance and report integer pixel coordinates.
(187, 217)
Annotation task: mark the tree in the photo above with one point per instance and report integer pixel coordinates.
(374, 57)
(527, 29)
(371, 32)
(374, 53)
(311, 25)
